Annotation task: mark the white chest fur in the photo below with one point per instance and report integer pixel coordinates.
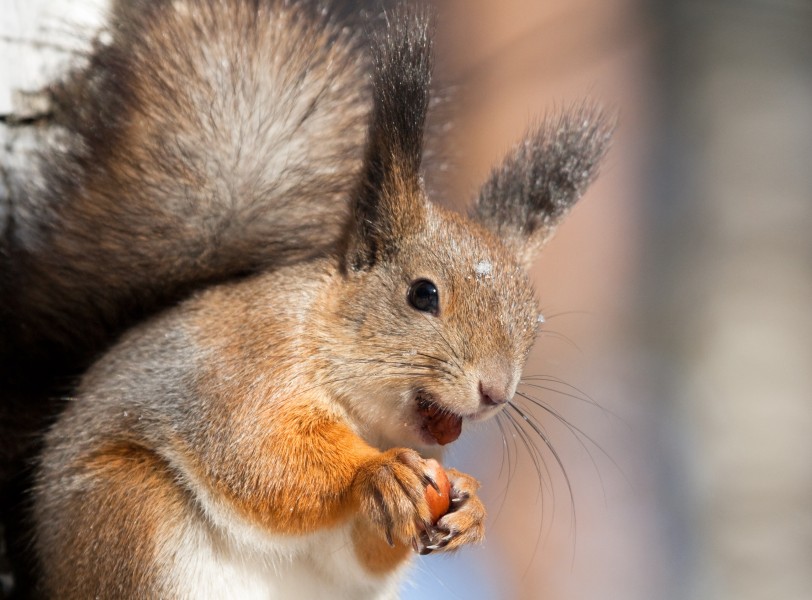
(243, 563)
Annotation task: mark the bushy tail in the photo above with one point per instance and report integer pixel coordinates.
(202, 140)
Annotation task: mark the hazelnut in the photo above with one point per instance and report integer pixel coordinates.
(438, 502)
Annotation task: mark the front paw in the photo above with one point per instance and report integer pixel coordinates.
(391, 489)
(464, 523)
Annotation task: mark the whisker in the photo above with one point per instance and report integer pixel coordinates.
(565, 313)
(581, 435)
(427, 367)
(573, 428)
(442, 361)
(539, 463)
(538, 459)
(576, 433)
(536, 455)
(505, 453)
(445, 341)
(578, 395)
(505, 449)
(539, 431)
(560, 336)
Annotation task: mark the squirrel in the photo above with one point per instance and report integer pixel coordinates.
(272, 324)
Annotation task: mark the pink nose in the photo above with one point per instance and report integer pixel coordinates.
(491, 394)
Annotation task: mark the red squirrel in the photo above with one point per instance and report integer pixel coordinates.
(241, 200)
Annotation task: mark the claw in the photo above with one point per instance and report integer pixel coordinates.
(441, 543)
(433, 536)
(460, 498)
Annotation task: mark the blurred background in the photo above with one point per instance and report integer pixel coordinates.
(675, 366)
(678, 298)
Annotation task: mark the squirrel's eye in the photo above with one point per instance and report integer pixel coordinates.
(423, 296)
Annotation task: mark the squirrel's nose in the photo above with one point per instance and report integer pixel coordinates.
(491, 394)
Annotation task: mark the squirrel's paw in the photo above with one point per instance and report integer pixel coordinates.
(391, 489)
(464, 523)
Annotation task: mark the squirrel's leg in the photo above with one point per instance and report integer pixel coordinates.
(311, 471)
(122, 520)
(106, 531)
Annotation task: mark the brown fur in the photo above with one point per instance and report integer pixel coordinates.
(373, 552)
(284, 404)
(135, 505)
(183, 150)
(252, 387)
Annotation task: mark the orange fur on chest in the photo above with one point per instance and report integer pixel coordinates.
(280, 451)
(299, 478)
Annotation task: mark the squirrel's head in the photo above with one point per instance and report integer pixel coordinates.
(439, 305)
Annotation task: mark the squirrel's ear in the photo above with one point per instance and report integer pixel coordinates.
(390, 198)
(542, 177)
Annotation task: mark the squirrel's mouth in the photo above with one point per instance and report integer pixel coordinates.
(437, 423)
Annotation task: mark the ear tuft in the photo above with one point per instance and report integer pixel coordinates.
(542, 177)
(390, 197)
(402, 61)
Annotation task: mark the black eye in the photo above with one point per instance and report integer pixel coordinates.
(423, 296)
